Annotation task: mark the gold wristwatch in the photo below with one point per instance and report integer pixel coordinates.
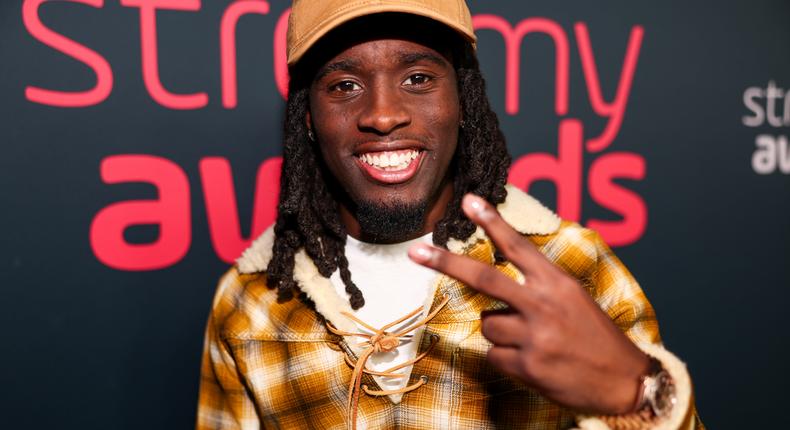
(657, 391)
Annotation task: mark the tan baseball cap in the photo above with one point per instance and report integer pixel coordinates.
(310, 20)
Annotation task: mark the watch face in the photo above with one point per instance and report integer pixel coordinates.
(664, 398)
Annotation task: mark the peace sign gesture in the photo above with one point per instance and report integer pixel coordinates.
(553, 336)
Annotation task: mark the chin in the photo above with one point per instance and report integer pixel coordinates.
(391, 220)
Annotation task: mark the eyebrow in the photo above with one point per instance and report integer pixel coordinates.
(411, 57)
(342, 65)
(405, 57)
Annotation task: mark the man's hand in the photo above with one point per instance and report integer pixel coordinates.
(553, 337)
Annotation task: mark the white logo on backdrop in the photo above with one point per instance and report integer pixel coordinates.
(770, 110)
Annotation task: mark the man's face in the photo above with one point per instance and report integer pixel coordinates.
(386, 116)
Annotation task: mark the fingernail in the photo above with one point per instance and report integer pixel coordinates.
(476, 205)
(420, 253)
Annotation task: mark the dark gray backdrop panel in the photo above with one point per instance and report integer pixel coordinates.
(87, 346)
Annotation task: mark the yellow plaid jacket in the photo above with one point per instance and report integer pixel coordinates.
(275, 365)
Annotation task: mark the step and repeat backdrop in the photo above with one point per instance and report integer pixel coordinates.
(140, 156)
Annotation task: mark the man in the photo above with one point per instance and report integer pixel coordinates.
(391, 148)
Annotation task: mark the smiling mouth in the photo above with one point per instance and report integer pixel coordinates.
(391, 167)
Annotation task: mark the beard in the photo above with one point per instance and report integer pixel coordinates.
(390, 222)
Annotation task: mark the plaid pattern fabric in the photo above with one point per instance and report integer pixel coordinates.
(275, 365)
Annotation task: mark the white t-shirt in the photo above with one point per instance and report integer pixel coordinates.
(393, 286)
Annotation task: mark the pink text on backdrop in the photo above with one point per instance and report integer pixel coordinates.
(565, 169)
(171, 210)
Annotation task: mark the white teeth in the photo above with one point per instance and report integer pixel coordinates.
(390, 161)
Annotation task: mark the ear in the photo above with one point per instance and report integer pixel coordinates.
(308, 120)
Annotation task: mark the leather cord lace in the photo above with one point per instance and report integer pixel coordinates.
(380, 340)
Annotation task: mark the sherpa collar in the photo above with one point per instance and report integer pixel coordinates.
(525, 214)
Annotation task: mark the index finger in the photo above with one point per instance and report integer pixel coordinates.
(512, 244)
(475, 274)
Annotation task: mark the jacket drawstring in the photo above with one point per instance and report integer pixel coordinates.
(381, 341)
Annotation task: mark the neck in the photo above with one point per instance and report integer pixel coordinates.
(436, 210)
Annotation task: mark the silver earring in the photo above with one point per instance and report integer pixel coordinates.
(310, 135)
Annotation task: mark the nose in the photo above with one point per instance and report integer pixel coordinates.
(385, 112)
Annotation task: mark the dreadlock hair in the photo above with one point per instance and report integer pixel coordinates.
(308, 213)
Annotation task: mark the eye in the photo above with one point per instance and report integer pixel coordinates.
(345, 87)
(417, 79)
